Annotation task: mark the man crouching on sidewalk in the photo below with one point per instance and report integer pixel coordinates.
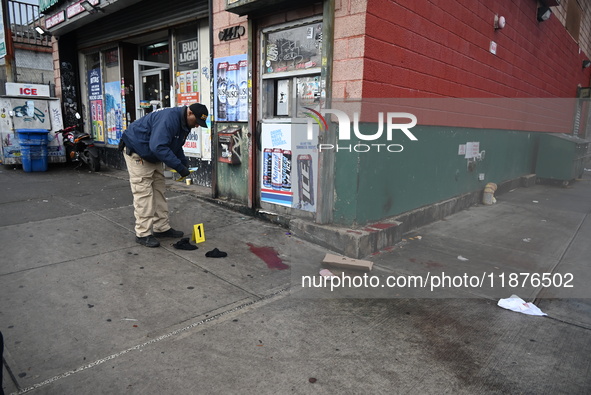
(157, 138)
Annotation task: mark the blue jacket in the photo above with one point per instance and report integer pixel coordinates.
(159, 137)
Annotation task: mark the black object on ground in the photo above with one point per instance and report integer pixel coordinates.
(215, 253)
(184, 244)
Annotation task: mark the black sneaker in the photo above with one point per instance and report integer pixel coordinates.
(148, 241)
(177, 234)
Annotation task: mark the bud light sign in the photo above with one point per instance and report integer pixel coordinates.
(188, 52)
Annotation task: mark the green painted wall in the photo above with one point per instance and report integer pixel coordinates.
(232, 180)
(370, 186)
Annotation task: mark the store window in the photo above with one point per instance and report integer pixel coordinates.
(95, 95)
(186, 66)
(292, 85)
(187, 85)
(105, 101)
(157, 52)
(291, 71)
(573, 19)
(114, 105)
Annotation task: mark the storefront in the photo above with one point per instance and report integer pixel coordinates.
(267, 150)
(292, 88)
(273, 73)
(143, 57)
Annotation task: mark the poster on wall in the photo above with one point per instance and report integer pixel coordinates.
(206, 141)
(114, 121)
(276, 164)
(2, 39)
(192, 146)
(96, 115)
(231, 88)
(304, 171)
(289, 164)
(123, 107)
(187, 87)
(95, 97)
(187, 93)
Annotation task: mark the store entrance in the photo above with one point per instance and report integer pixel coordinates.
(291, 93)
(152, 80)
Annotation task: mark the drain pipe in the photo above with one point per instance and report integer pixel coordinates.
(211, 110)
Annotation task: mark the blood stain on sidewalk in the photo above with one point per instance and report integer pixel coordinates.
(269, 256)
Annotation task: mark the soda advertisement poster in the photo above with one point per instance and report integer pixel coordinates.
(96, 114)
(113, 113)
(231, 88)
(187, 93)
(289, 166)
(187, 87)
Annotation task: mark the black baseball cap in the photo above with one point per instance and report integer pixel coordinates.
(201, 113)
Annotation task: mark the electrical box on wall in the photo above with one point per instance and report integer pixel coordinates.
(282, 98)
(228, 149)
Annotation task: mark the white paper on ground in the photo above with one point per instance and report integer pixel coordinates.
(515, 303)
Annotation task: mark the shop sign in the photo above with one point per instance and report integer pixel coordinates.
(44, 5)
(16, 89)
(232, 33)
(2, 38)
(55, 20)
(95, 91)
(188, 51)
(77, 8)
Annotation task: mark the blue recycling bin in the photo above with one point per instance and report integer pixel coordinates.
(33, 144)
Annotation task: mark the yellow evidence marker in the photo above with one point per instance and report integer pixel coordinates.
(198, 233)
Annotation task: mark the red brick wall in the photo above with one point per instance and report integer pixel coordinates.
(57, 77)
(435, 48)
(222, 20)
(348, 49)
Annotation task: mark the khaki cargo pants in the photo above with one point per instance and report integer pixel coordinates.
(148, 187)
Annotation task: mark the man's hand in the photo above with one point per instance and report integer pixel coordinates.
(184, 172)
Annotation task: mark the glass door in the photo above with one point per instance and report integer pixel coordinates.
(152, 81)
(292, 88)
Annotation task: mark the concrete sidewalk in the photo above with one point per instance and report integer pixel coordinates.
(84, 309)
